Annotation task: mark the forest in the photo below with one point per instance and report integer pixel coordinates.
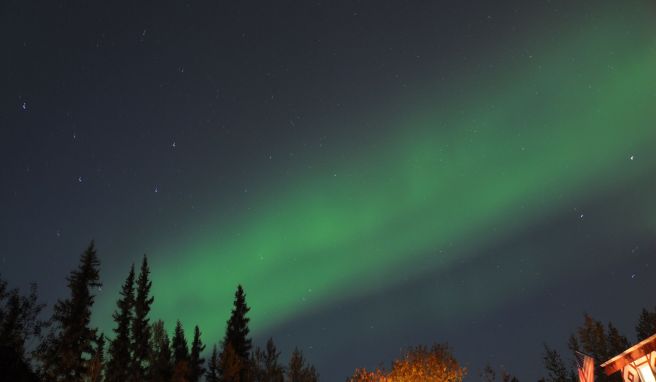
(65, 346)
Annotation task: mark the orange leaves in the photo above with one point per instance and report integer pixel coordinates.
(434, 364)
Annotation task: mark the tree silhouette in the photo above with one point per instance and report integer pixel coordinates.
(140, 325)
(298, 370)
(66, 352)
(265, 366)
(19, 322)
(237, 335)
(600, 344)
(553, 362)
(161, 367)
(230, 366)
(196, 369)
(120, 356)
(646, 326)
(213, 365)
(180, 352)
(616, 342)
(97, 363)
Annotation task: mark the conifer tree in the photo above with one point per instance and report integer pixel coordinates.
(161, 367)
(593, 339)
(140, 326)
(120, 355)
(557, 372)
(646, 326)
(213, 365)
(196, 369)
(616, 342)
(237, 333)
(97, 363)
(180, 351)
(66, 351)
(181, 372)
(230, 365)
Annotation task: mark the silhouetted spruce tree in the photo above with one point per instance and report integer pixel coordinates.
(616, 342)
(181, 372)
(237, 333)
(298, 370)
(66, 352)
(230, 365)
(553, 362)
(160, 365)
(646, 326)
(18, 323)
(196, 362)
(95, 373)
(120, 359)
(180, 352)
(140, 326)
(213, 363)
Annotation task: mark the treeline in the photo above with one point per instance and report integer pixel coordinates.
(67, 348)
(593, 338)
(599, 341)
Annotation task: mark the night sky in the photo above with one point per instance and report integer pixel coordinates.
(376, 174)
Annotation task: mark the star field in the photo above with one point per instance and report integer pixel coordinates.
(376, 174)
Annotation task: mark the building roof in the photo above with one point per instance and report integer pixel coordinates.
(631, 354)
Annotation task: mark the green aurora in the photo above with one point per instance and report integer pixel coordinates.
(463, 171)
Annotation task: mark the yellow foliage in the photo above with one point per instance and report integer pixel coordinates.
(435, 364)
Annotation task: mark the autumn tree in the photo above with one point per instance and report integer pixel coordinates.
(140, 324)
(120, 356)
(427, 364)
(364, 375)
(66, 352)
(418, 364)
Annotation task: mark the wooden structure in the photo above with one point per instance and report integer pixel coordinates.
(637, 363)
